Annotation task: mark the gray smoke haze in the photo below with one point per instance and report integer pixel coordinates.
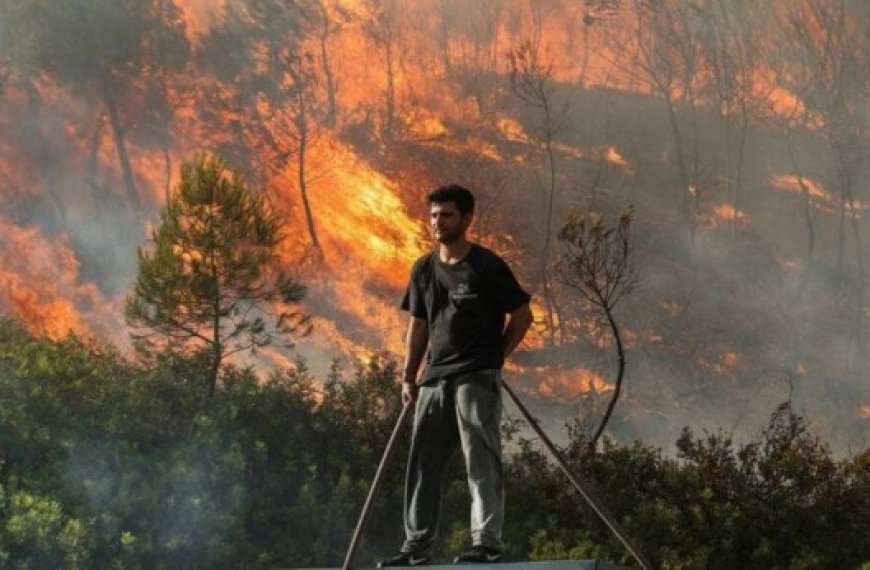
(726, 322)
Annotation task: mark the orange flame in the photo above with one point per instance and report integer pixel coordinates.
(39, 285)
(614, 157)
(822, 198)
(791, 183)
(724, 213)
(565, 384)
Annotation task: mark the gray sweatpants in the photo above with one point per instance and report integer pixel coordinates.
(459, 410)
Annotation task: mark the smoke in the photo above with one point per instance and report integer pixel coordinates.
(733, 315)
(180, 506)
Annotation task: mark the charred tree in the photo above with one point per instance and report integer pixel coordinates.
(663, 53)
(110, 100)
(301, 91)
(531, 81)
(47, 158)
(100, 46)
(382, 29)
(597, 262)
(807, 200)
(326, 29)
(823, 60)
(732, 52)
(279, 86)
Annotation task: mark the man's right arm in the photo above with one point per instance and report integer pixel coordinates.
(416, 341)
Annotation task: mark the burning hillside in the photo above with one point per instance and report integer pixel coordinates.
(748, 174)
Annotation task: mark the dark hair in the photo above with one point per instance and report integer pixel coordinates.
(462, 197)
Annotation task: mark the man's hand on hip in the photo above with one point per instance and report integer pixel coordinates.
(409, 393)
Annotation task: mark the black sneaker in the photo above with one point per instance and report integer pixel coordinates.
(479, 555)
(404, 559)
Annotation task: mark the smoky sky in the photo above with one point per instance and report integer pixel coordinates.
(750, 293)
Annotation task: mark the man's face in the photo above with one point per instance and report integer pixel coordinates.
(448, 224)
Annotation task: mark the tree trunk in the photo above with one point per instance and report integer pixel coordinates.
(217, 340)
(47, 157)
(391, 89)
(729, 169)
(444, 38)
(120, 145)
(738, 174)
(845, 176)
(167, 160)
(693, 191)
(619, 375)
(808, 212)
(549, 302)
(682, 171)
(331, 89)
(302, 128)
(97, 193)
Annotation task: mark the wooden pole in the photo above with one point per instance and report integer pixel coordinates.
(583, 487)
(376, 483)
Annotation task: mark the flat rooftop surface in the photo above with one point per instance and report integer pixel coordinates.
(548, 565)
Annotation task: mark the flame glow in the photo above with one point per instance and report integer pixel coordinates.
(723, 214)
(40, 285)
(821, 197)
(791, 183)
(566, 384)
(615, 158)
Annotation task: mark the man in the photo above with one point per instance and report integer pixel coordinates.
(458, 296)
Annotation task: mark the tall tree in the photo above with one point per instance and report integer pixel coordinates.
(384, 30)
(731, 48)
(278, 95)
(212, 278)
(598, 263)
(326, 27)
(823, 57)
(532, 81)
(664, 52)
(99, 45)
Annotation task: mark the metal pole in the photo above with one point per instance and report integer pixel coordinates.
(582, 486)
(376, 483)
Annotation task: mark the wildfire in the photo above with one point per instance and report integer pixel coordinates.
(362, 218)
(199, 16)
(511, 130)
(39, 285)
(368, 245)
(429, 75)
(724, 213)
(788, 265)
(791, 183)
(822, 198)
(726, 362)
(730, 359)
(428, 127)
(564, 384)
(614, 157)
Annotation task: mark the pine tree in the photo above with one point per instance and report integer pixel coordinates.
(212, 279)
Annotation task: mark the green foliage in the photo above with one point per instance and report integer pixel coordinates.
(79, 41)
(778, 501)
(212, 278)
(38, 534)
(110, 464)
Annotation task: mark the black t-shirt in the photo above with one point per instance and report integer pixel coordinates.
(465, 305)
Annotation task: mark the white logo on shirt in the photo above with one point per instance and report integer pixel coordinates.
(463, 291)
